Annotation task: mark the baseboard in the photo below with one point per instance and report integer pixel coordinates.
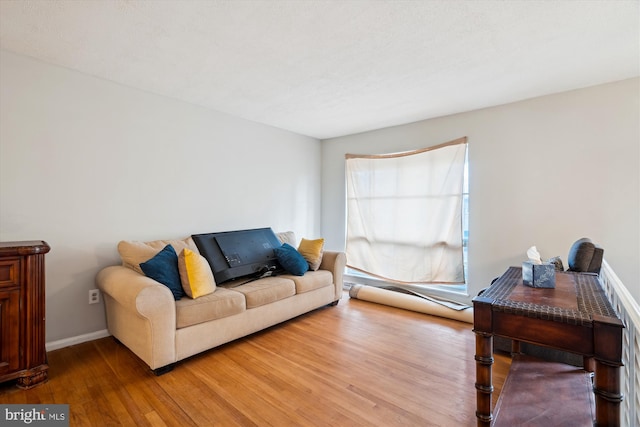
(55, 345)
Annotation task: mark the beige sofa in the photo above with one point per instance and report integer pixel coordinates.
(144, 316)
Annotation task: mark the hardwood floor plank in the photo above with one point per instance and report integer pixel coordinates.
(356, 364)
(311, 393)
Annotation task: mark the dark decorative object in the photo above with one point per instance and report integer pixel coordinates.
(585, 256)
(557, 262)
(237, 254)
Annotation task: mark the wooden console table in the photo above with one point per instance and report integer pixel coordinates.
(575, 316)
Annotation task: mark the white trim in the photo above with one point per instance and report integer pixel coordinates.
(629, 312)
(55, 345)
(622, 293)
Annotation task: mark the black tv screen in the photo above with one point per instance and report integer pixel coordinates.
(237, 254)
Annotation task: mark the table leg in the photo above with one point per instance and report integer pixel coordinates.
(484, 387)
(607, 349)
(589, 364)
(606, 389)
(515, 347)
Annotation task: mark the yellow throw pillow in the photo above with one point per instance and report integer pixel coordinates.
(311, 250)
(195, 274)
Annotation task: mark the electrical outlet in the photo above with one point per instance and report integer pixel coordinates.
(94, 296)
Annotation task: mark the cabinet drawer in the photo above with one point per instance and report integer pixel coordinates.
(9, 272)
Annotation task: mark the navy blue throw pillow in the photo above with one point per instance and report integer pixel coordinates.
(163, 268)
(291, 260)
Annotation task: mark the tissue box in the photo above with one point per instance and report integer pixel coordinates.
(538, 275)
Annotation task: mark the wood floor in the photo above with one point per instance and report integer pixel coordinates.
(356, 364)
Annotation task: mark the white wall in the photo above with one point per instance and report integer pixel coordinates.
(85, 163)
(545, 172)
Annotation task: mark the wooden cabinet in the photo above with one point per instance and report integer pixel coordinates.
(23, 355)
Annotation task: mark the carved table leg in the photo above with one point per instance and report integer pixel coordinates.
(484, 387)
(607, 346)
(589, 364)
(606, 389)
(515, 347)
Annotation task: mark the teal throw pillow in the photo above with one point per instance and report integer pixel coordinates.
(163, 268)
(291, 260)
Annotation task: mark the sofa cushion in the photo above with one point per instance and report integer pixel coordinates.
(163, 268)
(291, 260)
(266, 290)
(287, 237)
(311, 250)
(219, 304)
(133, 252)
(195, 274)
(311, 280)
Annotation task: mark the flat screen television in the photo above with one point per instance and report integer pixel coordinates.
(236, 254)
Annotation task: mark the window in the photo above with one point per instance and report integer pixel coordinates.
(407, 215)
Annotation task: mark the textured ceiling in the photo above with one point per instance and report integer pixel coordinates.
(331, 68)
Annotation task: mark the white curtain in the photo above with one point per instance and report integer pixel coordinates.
(404, 214)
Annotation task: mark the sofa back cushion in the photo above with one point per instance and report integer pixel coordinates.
(133, 252)
(288, 237)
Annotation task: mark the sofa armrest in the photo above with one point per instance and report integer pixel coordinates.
(134, 291)
(335, 262)
(141, 313)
